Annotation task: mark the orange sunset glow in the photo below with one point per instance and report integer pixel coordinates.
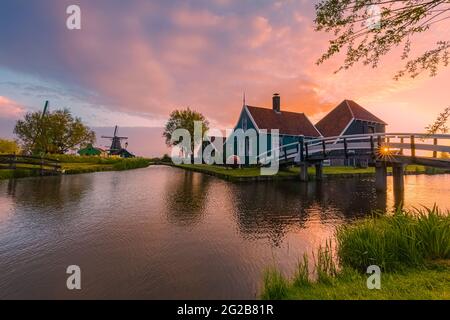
(131, 66)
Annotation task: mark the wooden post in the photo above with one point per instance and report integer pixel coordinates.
(324, 149)
(42, 166)
(300, 144)
(435, 142)
(401, 149)
(398, 173)
(413, 147)
(345, 148)
(380, 177)
(12, 162)
(372, 146)
(304, 172)
(306, 151)
(319, 171)
(399, 184)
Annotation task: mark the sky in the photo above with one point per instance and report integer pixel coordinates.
(135, 61)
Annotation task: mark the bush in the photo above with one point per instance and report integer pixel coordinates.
(70, 158)
(9, 146)
(132, 163)
(166, 158)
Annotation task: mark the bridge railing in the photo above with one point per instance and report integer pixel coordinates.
(281, 153)
(387, 142)
(375, 144)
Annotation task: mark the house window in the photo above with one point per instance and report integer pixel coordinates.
(371, 129)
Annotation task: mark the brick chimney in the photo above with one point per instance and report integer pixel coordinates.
(276, 102)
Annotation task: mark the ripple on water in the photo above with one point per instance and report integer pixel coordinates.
(165, 233)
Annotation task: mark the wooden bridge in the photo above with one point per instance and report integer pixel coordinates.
(380, 150)
(44, 166)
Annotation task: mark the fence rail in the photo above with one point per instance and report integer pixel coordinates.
(22, 162)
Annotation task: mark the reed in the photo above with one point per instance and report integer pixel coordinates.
(301, 277)
(325, 266)
(411, 247)
(403, 239)
(275, 285)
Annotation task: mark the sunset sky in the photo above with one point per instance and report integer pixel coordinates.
(135, 61)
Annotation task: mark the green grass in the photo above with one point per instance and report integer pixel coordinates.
(292, 172)
(68, 158)
(412, 248)
(428, 283)
(404, 239)
(236, 173)
(74, 165)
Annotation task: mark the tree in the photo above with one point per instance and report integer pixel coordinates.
(9, 146)
(440, 124)
(184, 119)
(369, 29)
(54, 132)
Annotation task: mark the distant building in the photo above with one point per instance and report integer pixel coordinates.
(123, 153)
(116, 145)
(291, 125)
(346, 119)
(350, 118)
(90, 150)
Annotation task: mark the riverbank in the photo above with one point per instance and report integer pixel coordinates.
(411, 249)
(76, 165)
(253, 173)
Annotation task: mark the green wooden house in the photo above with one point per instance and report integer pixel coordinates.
(292, 126)
(90, 150)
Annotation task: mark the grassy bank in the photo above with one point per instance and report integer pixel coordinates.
(411, 248)
(253, 173)
(74, 165)
(415, 284)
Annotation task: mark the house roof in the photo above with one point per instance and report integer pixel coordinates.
(289, 123)
(338, 119)
(90, 147)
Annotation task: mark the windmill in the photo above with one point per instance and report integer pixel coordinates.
(41, 127)
(116, 144)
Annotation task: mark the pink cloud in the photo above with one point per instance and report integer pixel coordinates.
(263, 31)
(149, 58)
(190, 18)
(10, 109)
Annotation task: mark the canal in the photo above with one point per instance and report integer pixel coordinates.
(164, 233)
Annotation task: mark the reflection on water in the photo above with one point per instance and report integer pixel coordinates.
(165, 233)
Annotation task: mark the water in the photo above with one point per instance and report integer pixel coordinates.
(163, 233)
